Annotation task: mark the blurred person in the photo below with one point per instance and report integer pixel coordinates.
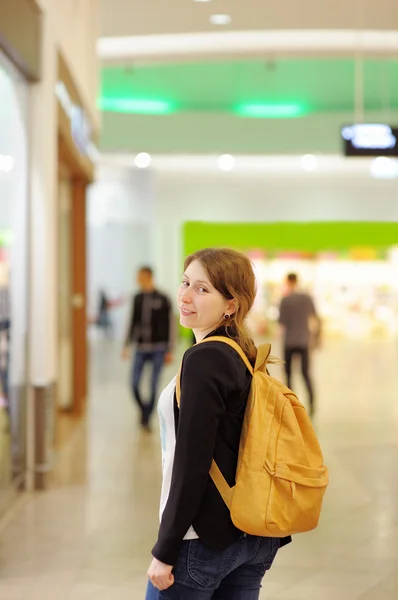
(5, 340)
(199, 553)
(150, 329)
(103, 320)
(296, 314)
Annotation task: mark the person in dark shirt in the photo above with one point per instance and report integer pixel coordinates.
(199, 553)
(151, 330)
(103, 319)
(296, 311)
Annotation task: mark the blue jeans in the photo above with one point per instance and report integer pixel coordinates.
(231, 574)
(156, 358)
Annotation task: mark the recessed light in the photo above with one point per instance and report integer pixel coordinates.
(226, 162)
(143, 160)
(137, 106)
(383, 167)
(202, 0)
(270, 111)
(220, 19)
(309, 162)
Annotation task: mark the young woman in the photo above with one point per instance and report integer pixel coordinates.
(199, 554)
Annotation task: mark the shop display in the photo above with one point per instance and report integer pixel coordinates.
(356, 292)
(5, 320)
(13, 275)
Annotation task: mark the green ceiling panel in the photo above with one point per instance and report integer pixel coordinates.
(311, 85)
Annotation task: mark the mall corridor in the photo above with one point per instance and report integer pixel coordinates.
(89, 535)
(133, 135)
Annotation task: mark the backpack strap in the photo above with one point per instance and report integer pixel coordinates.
(221, 484)
(234, 345)
(263, 352)
(225, 491)
(237, 348)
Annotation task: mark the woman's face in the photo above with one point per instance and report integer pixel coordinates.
(202, 307)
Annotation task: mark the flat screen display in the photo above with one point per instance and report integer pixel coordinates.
(370, 139)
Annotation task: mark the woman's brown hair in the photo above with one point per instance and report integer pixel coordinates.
(231, 273)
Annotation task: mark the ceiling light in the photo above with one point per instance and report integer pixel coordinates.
(384, 168)
(6, 163)
(226, 162)
(135, 106)
(142, 160)
(309, 162)
(202, 0)
(220, 19)
(270, 111)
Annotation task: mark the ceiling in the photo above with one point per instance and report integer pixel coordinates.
(204, 103)
(172, 82)
(149, 17)
(312, 85)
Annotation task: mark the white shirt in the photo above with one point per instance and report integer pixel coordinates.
(168, 439)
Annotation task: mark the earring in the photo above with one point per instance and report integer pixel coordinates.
(227, 316)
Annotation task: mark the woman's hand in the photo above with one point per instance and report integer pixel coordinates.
(160, 575)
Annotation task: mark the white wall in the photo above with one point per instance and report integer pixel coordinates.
(225, 197)
(120, 238)
(231, 197)
(75, 27)
(71, 27)
(43, 217)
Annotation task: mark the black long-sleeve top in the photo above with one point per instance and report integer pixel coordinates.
(215, 385)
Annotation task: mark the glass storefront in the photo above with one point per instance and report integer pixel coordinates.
(13, 276)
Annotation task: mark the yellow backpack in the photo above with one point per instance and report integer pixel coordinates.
(280, 477)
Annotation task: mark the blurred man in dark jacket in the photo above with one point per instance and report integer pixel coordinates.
(150, 329)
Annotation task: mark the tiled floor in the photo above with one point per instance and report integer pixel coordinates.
(89, 536)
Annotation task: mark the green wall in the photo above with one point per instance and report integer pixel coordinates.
(311, 237)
